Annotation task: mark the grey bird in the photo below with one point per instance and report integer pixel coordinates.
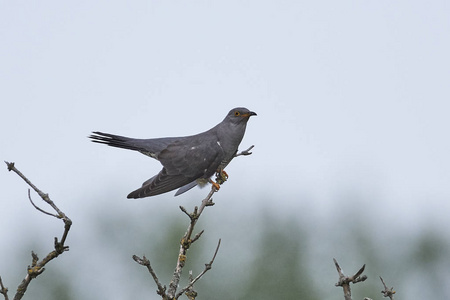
(189, 160)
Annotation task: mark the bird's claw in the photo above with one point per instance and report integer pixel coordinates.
(216, 185)
(221, 176)
(224, 174)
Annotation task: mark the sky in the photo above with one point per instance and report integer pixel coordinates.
(352, 100)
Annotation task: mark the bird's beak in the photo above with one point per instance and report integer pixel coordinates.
(249, 114)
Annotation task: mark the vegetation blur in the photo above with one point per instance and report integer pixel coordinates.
(266, 256)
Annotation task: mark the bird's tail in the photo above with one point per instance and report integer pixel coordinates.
(117, 141)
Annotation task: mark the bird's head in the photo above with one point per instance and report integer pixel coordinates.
(239, 114)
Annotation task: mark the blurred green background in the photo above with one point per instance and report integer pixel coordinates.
(265, 256)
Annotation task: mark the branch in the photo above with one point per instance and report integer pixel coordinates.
(191, 293)
(37, 267)
(3, 289)
(245, 152)
(387, 292)
(145, 262)
(188, 289)
(40, 209)
(344, 281)
(186, 242)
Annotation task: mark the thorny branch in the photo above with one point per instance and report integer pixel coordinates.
(37, 267)
(344, 281)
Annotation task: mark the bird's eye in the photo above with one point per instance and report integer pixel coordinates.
(237, 114)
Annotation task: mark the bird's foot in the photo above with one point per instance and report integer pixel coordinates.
(216, 185)
(221, 176)
(224, 174)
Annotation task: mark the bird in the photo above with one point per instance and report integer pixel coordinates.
(187, 161)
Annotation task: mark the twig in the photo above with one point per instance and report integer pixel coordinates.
(37, 267)
(145, 262)
(197, 236)
(387, 292)
(245, 152)
(191, 293)
(3, 289)
(40, 209)
(186, 242)
(344, 281)
(208, 267)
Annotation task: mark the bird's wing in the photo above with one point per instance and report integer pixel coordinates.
(159, 184)
(184, 161)
(194, 157)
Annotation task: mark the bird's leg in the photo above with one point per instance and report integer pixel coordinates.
(221, 177)
(215, 184)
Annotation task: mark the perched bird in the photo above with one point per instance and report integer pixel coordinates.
(189, 160)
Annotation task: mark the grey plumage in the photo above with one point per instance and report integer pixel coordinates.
(187, 160)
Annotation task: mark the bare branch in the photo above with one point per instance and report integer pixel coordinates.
(185, 244)
(356, 276)
(145, 262)
(197, 236)
(46, 198)
(191, 293)
(186, 241)
(185, 211)
(345, 281)
(3, 289)
(245, 152)
(208, 267)
(37, 267)
(40, 209)
(388, 292)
